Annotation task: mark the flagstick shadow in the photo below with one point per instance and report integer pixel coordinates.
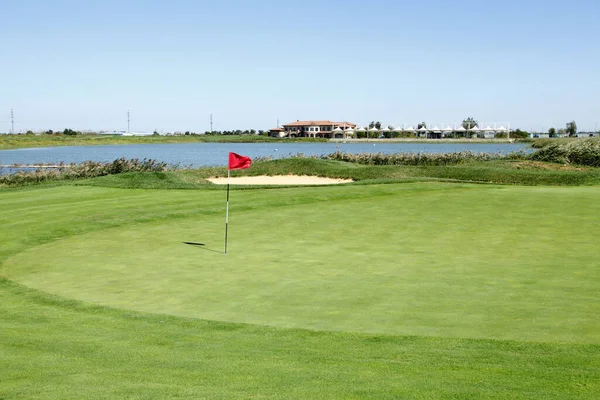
(199, 245)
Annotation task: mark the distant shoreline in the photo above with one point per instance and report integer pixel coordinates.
(422, 140)
(9, 142)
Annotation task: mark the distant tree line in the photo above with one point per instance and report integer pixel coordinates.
(468, 123)
(238, 132)
(71, 132)
(570, 129)
(68, 132)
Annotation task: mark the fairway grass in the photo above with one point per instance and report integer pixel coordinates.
(413, 290)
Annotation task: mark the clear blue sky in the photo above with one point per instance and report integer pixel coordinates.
(83, 64)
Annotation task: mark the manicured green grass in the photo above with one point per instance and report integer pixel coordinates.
(53, 348)
(420, 259)
(409, 290)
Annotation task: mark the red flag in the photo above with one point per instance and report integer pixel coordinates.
(239, 162)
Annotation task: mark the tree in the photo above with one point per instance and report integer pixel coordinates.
(552, 132)
(374, 124)
(571, 128)
(469, 123)
(391, 133)
(517, 133)
(422, 125)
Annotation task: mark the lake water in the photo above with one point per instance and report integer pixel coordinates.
(215, 154)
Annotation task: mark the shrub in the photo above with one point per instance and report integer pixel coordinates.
(420, 158)
(87, 169)
(70, 132)
(580, 152)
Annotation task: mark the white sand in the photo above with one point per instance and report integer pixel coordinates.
(279, 180)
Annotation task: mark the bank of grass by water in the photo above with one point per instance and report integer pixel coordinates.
(519, 172)
(30, 141)
(470, 168)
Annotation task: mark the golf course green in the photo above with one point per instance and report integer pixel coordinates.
(417, 289)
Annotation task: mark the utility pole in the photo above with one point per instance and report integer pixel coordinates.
(278, 122)
(127, 121)
(12, 121)
(211, 123)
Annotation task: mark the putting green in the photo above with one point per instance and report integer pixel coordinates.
(426, 259)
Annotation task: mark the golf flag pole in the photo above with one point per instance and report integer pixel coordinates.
(227, 209)
(235, 162)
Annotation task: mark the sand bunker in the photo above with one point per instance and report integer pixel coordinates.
(279, 180)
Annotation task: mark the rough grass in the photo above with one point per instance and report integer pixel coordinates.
(497, 172)
(514, 168)
(26, 141)
(29, 140)
(422, 159)
(86, 169)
